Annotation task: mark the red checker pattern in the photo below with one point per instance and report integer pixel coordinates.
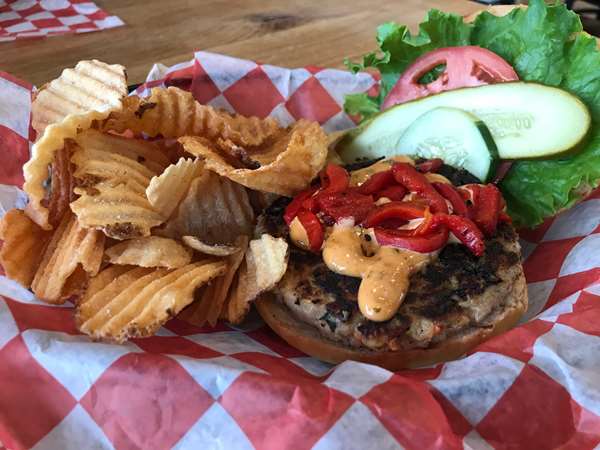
(184, 328)
(288, 415)
(10, 169)
(41, 317)
(145, 401)
(32, 401)
(175, 345)
(531, 414)
(203, 88)
(412, 414)
(276, 366)
(546, 260)
(536, 234)
(570, 284)
(37, 28)
(312, 101)
(268, 338)
(518, 342)
(47, 23)
(254, 94)
(585, 316)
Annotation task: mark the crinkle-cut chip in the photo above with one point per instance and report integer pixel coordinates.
(90, 86)
(166, 190)
(118, 211)
(109, 157)
(76, 284)
(264, 265)
(215, 210)
(71, 245)
(151, 251)
(173, 112)
(286, 166)
(60, 191)
(209, 249)
(103, 279)
(208, 307)
(111, 175)
(43, 152)
(147, 301)
(107, 285)
(23, 247)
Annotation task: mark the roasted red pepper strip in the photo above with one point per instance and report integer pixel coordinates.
(503, 217)
(296, 204)
(313, 227)
(487, 208)
(464, 229)
(404, 239)
(431, 165)
(450, 193)
(394, 193)
(414, 181)
(345, 204)
(425, 226)
(393, 210)
(377, 182)
(334, 179)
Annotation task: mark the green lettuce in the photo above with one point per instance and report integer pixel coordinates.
(544, 44)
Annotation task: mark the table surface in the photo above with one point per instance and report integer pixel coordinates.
(286, 33)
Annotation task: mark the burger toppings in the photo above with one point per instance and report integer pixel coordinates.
(462, 67)
(384, 222)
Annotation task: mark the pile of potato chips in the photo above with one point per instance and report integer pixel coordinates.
(141, 207)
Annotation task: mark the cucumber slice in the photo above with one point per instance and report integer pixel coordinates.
(527, 120)
(456, 136)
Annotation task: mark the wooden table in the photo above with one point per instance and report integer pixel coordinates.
(287, 33)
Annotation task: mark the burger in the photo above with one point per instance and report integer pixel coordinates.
(399, 263)
(403, 252)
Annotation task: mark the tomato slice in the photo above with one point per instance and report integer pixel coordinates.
(465, 67)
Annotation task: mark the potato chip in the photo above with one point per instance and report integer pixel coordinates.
(61, 186)
(151, 251)
(36, 170)
(264, 265)
(286, 166)
(71, 245)
(103, 279)
(173, 112)
(112, 174)
(166, 190)
(76, 284)
(23, 247)
(208, 307)
(215, 210)
(209, 249)
(90, 86)
(147, 301)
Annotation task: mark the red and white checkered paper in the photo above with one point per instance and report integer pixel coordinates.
(534, 387)
(21, 19)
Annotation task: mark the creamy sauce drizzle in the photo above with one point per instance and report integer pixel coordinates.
(385, 272)
(353, 251)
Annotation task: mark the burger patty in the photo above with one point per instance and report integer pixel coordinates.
(451, 295)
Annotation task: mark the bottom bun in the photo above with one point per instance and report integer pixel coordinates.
(307, 338)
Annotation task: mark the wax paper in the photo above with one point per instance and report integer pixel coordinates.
(534, 387)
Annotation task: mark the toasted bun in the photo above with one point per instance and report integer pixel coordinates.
(308, 339)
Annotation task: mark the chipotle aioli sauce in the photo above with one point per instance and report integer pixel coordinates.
(353, 251)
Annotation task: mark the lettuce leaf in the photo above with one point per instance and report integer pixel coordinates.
(544, 44)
